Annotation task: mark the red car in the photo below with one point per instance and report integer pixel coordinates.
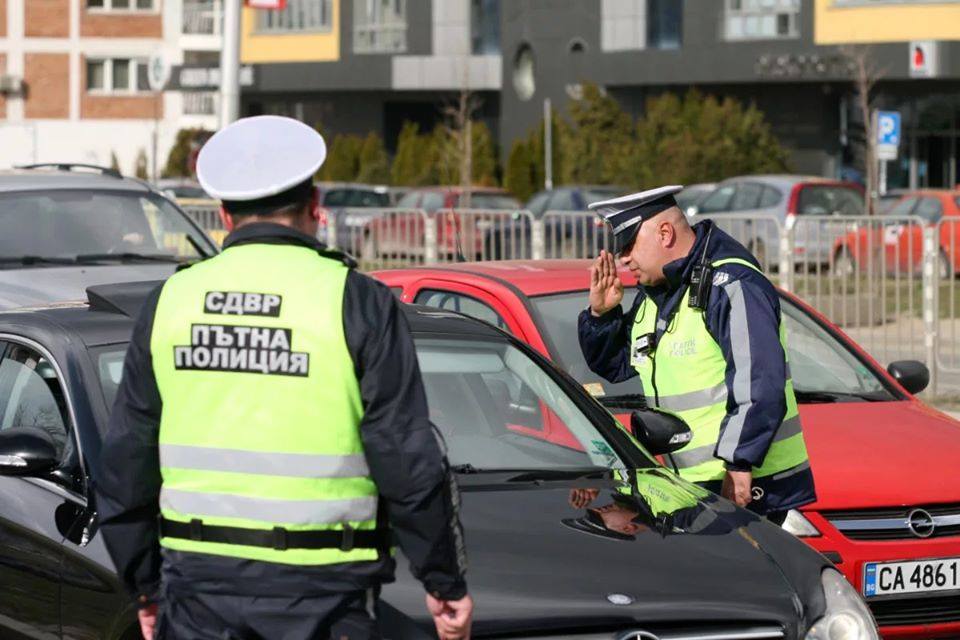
(403, 234)
(885, 464)
(893, 246)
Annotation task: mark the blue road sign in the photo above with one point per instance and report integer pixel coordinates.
(888, 128)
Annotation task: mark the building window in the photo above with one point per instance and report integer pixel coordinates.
(762, 19)
(117, 75)
(298, 16)
(379, 26)
(122, 5)
(485, 23)
(664, 24)
(199, 103)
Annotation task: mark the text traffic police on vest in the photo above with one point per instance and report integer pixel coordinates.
(705, 338)
(271, 428)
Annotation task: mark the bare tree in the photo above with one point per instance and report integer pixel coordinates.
(865, 74)
(458, 133)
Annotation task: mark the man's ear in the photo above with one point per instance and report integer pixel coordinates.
(315, 212)
(226, 219)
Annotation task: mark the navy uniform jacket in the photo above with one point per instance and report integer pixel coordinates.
(754, 304)
(401, 446)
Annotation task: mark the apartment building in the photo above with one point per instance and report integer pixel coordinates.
(360, 65)
(73, 78)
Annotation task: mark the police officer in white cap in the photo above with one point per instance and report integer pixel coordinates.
(270, 438)
(704, 338)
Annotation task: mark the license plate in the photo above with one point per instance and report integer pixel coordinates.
(921, 576)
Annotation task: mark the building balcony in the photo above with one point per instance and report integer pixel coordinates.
(202, 17)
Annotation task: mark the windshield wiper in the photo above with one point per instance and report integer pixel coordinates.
(30, 260)
(625, 401)
(823, 397)
(127, 257)
(547, 475)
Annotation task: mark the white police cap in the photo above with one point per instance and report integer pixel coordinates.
(258, 157)
(624, 214)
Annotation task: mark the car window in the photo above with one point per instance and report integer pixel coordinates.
(770, 197)
(558, 318)
(819, 363)
(461, 303)
(824, 200)
(498, 409)
(596, 195)
(957, 201)
(562, 200)
(902, 208)
(70, 223)
(930, 209)
(538, 203)
(409, 200)
(747, 196)
(717, 201)
(355, 198)
(494, 406)
(31, 395)
(492, 201)
(432, 200)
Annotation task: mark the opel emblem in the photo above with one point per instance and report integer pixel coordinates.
(620, 599)
(637, 635)
(921, 523)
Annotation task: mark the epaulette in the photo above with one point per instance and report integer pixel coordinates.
(340, 256)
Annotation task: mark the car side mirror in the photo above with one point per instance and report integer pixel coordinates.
(911, 374)
(26, 451)
(660, 432)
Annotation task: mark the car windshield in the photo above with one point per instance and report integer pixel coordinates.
(823, 368)
(490, 201)
(495, 407)
(74, 224)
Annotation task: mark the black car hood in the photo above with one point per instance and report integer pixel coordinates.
(534, 563)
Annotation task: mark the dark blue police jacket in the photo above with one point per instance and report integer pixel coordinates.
(605, 342)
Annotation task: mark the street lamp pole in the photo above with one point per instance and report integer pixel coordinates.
(230, 64)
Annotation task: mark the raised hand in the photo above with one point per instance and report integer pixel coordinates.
(606, 290)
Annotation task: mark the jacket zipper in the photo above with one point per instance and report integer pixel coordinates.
(653, 378)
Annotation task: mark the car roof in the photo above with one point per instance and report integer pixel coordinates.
(48, 179)
(455, 190)
(784, 179)
(531, 277)
(108, 315)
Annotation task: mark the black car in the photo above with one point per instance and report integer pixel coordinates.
(572, 529)
(569, 230)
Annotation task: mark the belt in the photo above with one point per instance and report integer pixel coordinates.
(277, 538)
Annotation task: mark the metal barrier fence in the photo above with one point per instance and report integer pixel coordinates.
(890, 283)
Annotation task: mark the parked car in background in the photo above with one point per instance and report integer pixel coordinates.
(182, 189)
(692, 194)
(332, 195)
(654, 556)
(402, 233)
(65, 227)
(765, 204)
(892, 527)
(896, 245)
(339, 198)
(570, 231)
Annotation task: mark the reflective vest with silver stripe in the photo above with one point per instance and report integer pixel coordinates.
(261, 404)
(686, 375)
